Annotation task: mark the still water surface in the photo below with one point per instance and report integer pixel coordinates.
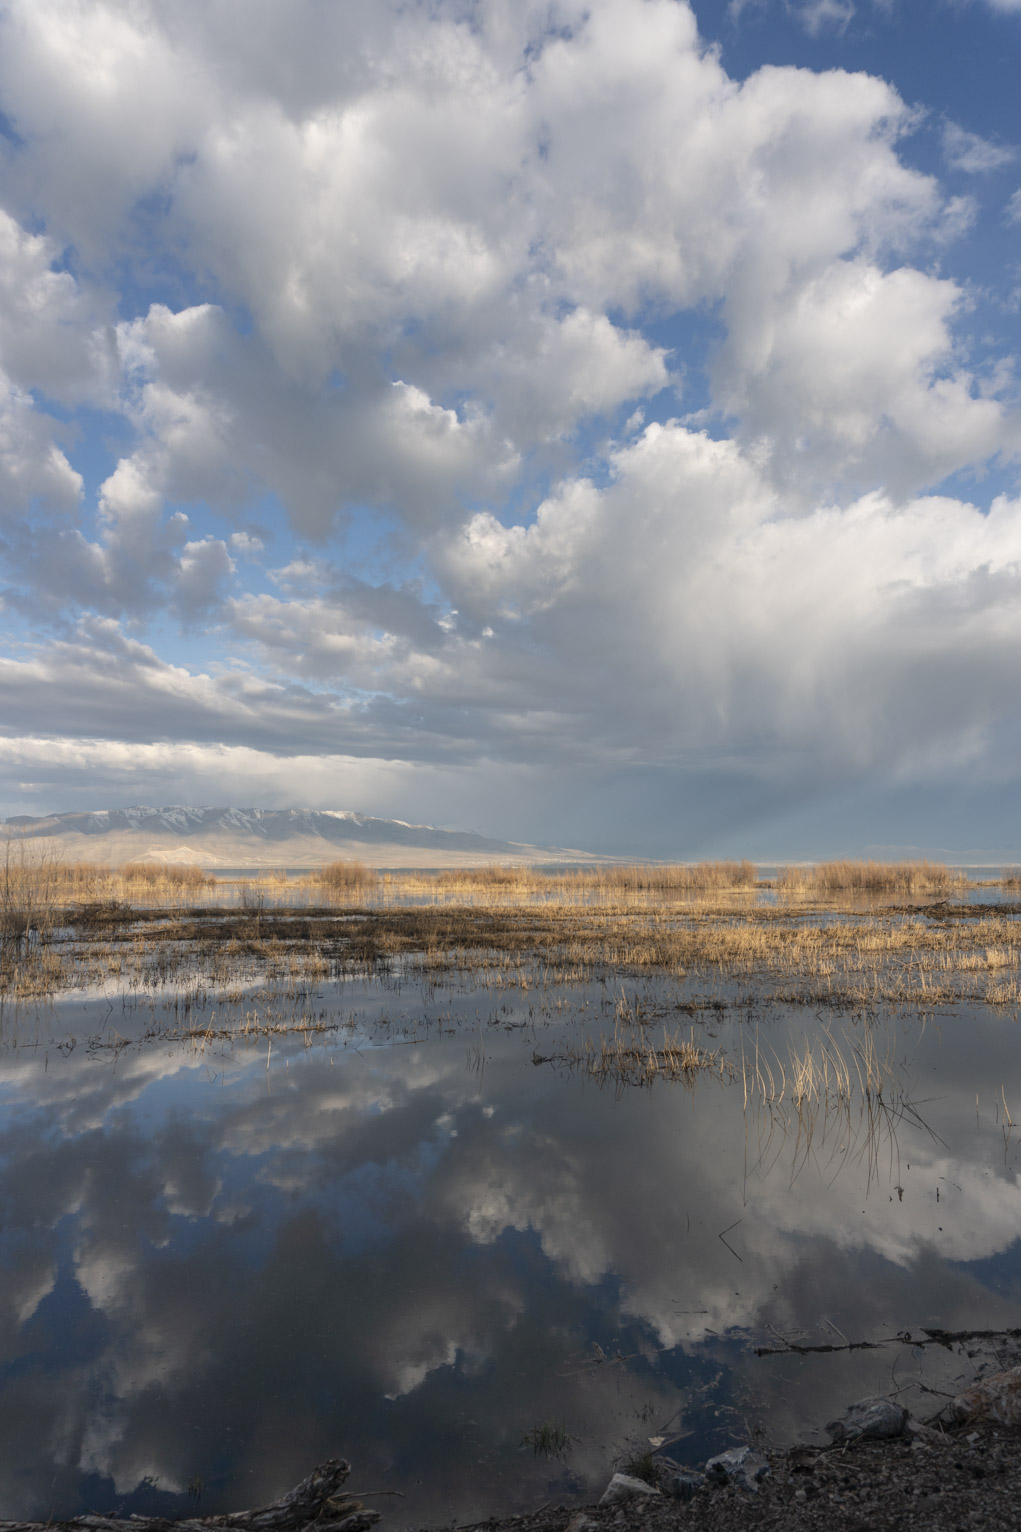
(410, 1243)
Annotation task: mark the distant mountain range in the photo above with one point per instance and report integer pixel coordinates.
(236, 837)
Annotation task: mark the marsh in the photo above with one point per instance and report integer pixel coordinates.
(429, 1170)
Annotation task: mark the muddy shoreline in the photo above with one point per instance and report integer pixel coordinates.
(959, 1476)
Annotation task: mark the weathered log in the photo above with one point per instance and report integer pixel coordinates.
(314, 1505)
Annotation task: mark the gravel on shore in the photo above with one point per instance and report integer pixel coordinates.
(960, 1478)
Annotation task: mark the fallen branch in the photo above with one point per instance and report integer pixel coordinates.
(315, 1505)
(926, 1337)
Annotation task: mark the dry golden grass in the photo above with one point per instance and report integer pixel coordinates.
(498, 883)
(165, 875)
(870, 879)
(704, 928)
(345, 877)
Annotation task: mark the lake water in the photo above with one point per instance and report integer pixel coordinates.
(414, 1239)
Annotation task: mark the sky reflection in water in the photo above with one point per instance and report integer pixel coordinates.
(412, 1244)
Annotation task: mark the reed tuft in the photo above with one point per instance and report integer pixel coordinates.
(869, 878)
(345, 877)
(170, 875)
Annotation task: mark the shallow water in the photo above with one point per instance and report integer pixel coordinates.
(407, 1241)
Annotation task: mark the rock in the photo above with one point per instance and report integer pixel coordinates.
(683, 1485)
(876, 1418)
(579, 1522)
(739, 1466)
(997, 1397)
(623, 1487)
(923, 1434)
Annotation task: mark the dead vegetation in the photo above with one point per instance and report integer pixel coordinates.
(869, 879)
(160, 875)
(680, 879)
(831, 936)
(344, 877)
(636, 1058)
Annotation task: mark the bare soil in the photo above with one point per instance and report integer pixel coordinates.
(971, 1478)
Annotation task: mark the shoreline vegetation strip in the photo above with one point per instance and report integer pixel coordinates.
(846, 934)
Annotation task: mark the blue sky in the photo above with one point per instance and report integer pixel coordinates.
(593, 425)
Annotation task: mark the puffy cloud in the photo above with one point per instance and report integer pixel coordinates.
(218, 422)
(106, 80)
(139, 561)
(679, 616)
(445, 192)
(32, 467)
(851, 379)
(201, 568)
(246, 545)
(751, 631)
(54, 336)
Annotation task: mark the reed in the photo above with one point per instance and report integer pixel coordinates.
(170, 875)
(548, 1439)
(511, 927)
(629, 1059)
(699, 878)
(869, 879)
(27, 909)
(345, 877)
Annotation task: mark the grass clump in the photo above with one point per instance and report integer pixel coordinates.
(490, 876)
(344, 877)
(500, 882)
(548, 1439)
(631, 1059)
(869, 879)
(682, 878)
(170, 875)
(641, 1466)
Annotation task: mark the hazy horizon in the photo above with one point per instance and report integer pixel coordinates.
(969, 858)
(591, 425)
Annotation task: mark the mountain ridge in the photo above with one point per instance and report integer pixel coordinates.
(230, 835)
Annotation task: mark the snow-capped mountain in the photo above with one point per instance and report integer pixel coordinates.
(241, 837)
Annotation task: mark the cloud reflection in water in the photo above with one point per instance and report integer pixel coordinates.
(224, 1271)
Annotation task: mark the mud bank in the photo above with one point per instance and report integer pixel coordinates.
(969, 1477)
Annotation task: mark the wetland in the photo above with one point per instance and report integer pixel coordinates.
(490, 1182)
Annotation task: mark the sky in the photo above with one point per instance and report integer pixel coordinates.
(589, 424)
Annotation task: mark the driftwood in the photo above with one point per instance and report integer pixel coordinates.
(925, 1337)
(315, 1505)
